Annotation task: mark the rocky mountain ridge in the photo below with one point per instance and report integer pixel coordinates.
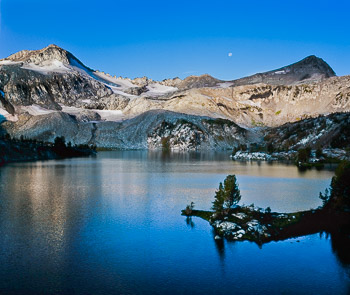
(43, 90)
(308, 70)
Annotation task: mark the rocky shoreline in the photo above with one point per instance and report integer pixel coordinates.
(329, 156)
(248, 223)
(261, 226)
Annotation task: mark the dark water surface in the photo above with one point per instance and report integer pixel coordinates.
(112, 225)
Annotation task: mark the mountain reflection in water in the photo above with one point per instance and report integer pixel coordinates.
(113, 224)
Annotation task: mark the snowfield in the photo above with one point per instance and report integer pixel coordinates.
(157, 89)
(7, 115)
(106, 115)
(48, 67)
(35, 110)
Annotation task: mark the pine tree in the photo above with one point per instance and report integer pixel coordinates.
(227, 195)
(232, 192)
(218, 204)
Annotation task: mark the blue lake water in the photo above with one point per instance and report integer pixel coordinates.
(112, 225)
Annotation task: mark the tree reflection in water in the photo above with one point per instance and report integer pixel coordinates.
(340, 242)
(189, 222)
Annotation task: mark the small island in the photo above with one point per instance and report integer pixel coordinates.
(248, 223)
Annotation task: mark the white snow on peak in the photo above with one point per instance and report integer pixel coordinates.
(8, 62)
(122, 83)
(116, 84)
(118, 90)
(280, 72)
(75, 65)
(47, 67)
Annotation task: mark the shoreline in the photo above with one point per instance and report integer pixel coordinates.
(28, 151)
(330, 156)
(261, 227)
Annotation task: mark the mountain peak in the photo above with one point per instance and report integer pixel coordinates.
(46, 55)
(309, 69)
(313, 63)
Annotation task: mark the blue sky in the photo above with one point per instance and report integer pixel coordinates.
(164, 39)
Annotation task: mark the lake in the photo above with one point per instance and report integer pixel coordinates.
(112, 224)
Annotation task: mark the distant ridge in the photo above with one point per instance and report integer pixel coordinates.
(309, 69)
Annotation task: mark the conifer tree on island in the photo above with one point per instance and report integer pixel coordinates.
(228, 195)
(218, 204)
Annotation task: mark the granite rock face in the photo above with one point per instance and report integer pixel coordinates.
(205, 134)
(24, 87)
(184, 132)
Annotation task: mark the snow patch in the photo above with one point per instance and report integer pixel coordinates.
(226, 98)
(79, 67)
(36, 110)
(110, 115)
(47, 67)
(117, 90)
(157, 89)
(249, 103)
(8, 62)
(106, 115)
(225, 84)
(280, 72)
(118, 82)
(76, 65)
(7, 116)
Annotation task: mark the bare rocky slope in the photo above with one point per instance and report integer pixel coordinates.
(310, 69)
(149, 130)
(49, 92)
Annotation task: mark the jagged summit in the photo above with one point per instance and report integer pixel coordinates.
(44, 56)
(309, 69)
